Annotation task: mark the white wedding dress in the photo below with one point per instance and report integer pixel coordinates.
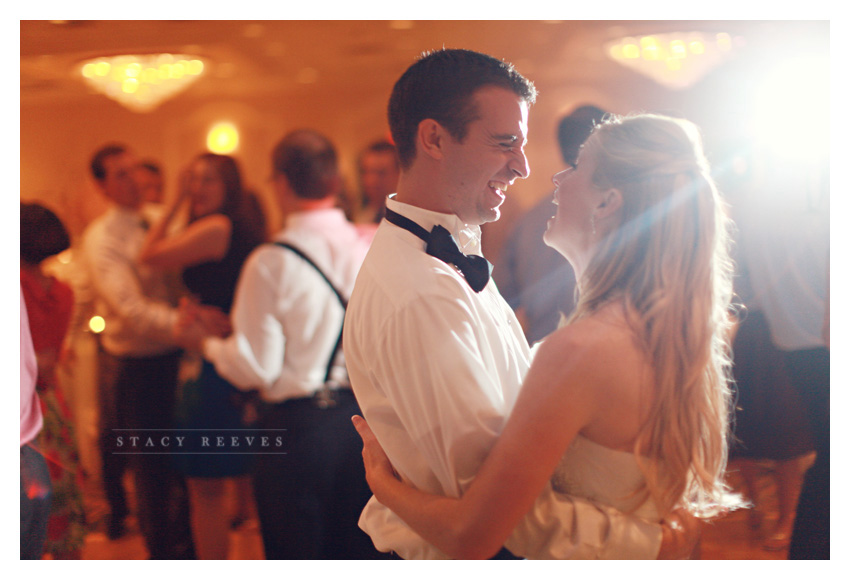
(605, 476)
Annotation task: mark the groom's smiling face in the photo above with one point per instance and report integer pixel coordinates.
(480, 167)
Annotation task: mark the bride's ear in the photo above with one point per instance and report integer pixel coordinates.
(610, 204)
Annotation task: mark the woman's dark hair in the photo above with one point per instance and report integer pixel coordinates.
(227, 169)
(239, 205)
(42, 234)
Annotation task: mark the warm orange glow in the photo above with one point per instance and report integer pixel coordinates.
(223, 138)
(130, 86)
(97, 324)
(142, 82)
(631, 51)
(696, 47)
(675, 59)
(195, 67)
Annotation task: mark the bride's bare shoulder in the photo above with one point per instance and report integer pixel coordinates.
(601, 345)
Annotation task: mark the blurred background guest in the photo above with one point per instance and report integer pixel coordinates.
(535, 280)
(224, 227)
(784, 247)
(771, 428)
(138, 359)
(151, 182)
(50, 304)
(378, 171)
(286, 344)
(36, 493)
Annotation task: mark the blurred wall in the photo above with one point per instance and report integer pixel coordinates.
(58, 138)
(58, 134)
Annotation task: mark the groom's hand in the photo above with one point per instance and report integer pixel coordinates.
(680, 534)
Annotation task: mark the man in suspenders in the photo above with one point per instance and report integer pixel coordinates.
(286, 343)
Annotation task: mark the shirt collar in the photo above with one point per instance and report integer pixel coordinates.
(327, 216)
(467, 237)
(127, 215)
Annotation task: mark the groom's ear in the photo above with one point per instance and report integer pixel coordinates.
(430, 137)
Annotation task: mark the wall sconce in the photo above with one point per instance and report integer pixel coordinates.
(223, 138)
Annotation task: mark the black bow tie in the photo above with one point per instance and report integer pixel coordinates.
(440, 244)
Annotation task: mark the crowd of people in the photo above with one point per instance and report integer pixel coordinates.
(585, 411)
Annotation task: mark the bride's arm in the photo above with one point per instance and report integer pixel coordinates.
(204, 240)
(556, 402)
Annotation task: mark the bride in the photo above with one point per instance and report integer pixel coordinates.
(627, 402)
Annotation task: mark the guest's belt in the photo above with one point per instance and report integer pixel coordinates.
(323, 398)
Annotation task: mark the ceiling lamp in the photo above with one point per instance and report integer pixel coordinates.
(142, 82)
(675, 60)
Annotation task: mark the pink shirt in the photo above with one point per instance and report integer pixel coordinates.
(30, 408)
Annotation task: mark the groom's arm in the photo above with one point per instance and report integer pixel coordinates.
(440, 409)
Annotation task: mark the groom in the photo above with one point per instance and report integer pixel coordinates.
(435, 355)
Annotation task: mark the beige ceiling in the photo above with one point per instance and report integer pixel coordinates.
(337, 75)
(256, 57)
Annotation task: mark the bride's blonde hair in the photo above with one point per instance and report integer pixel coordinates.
(668, 261)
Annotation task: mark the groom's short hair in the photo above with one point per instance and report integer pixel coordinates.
(440, 86)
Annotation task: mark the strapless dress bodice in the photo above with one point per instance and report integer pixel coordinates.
(605, 476)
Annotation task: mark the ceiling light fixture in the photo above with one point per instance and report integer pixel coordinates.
(142, 82)
(675, 60)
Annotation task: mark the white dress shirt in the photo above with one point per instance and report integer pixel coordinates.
(286, 319)
(436, 369)
(31, 418)
(135, 300)
(784, 243)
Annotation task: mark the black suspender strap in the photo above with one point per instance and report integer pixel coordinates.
(324, 395)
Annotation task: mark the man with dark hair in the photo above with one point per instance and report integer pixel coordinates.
(439, 86)
(535, 280)
(378, 170)
(286, 343)
(138, 359)
(150, 180)
(436, 356)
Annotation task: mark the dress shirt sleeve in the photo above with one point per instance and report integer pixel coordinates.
(252, 356)
(442, 387)
(115, 281)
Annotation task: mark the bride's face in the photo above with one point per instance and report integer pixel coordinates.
(571, 230)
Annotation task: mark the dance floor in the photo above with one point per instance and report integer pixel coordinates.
(728, 538)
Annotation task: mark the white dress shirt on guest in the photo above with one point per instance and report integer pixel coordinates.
(286, 319)
(436, 369)
(136, 301)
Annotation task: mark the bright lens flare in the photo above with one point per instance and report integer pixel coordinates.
(792, 110)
